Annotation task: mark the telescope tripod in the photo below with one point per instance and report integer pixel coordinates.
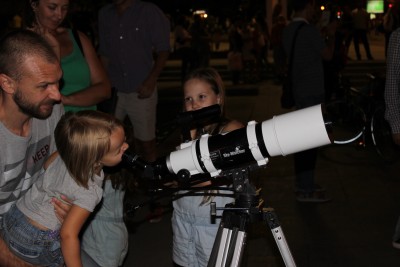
(231, 237)
(230, 241)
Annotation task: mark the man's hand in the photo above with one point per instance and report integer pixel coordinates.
(61, 207)
(147, 88)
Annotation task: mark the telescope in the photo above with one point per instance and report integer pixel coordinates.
(233, 155)
(252, 145)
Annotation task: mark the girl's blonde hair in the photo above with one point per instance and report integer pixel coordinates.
(82, 139)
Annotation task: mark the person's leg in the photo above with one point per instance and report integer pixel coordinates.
(306, 189)
(364, 39)
(387, 38)
(142, 114)
(183, 245)
(7, 258)
(186, 61)
(356, 43)
(120, 112)
(348, 39)
(20, 234)
(304, 165)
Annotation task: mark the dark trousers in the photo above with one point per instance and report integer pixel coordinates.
(304, 166)
(186, 55)
(361, 35)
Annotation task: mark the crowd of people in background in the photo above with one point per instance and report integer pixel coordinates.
(195, 39)
(250, 40)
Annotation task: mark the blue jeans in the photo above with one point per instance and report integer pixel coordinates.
(38, 247)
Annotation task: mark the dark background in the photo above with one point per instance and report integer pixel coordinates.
(216, 9)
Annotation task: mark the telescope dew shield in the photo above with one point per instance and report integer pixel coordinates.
(295, 131)
(282, 135)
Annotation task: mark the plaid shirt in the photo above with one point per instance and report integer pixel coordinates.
(392, 87)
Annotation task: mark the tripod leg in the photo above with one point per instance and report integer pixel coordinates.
(235, 257)
(273, 223)
(216, 247)
(230, 241)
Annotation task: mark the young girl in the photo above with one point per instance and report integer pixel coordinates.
(105, 239)
(193, 232)
(86, 141)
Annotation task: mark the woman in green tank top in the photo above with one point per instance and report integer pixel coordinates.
(85, 82)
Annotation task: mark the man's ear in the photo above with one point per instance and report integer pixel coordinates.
(7, 84)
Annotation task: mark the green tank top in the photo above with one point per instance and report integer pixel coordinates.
(76, 74)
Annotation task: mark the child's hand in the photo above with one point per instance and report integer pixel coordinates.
(61, 207)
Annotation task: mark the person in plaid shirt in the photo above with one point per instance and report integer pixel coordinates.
(392, 101)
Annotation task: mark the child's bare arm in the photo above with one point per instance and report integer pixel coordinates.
(69, 234)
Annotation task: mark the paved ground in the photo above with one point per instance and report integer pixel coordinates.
(353, 230)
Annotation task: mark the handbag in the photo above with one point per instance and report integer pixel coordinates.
(287, 98)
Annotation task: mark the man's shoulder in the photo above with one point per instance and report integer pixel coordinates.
(58, 111)
(52, 120)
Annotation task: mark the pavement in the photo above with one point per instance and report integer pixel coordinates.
(352, 230)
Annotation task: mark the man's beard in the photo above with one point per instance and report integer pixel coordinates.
(31, 109)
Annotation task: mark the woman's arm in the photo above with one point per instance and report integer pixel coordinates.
(69, 233)
(100, 86)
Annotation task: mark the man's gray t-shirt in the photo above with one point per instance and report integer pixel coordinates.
(22, 158)
(53, 182)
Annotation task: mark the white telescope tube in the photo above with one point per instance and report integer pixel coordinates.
(295, 131)
(282, 135)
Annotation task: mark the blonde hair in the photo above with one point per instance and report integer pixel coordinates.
(82, 139)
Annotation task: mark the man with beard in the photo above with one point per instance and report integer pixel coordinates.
(29, 92)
